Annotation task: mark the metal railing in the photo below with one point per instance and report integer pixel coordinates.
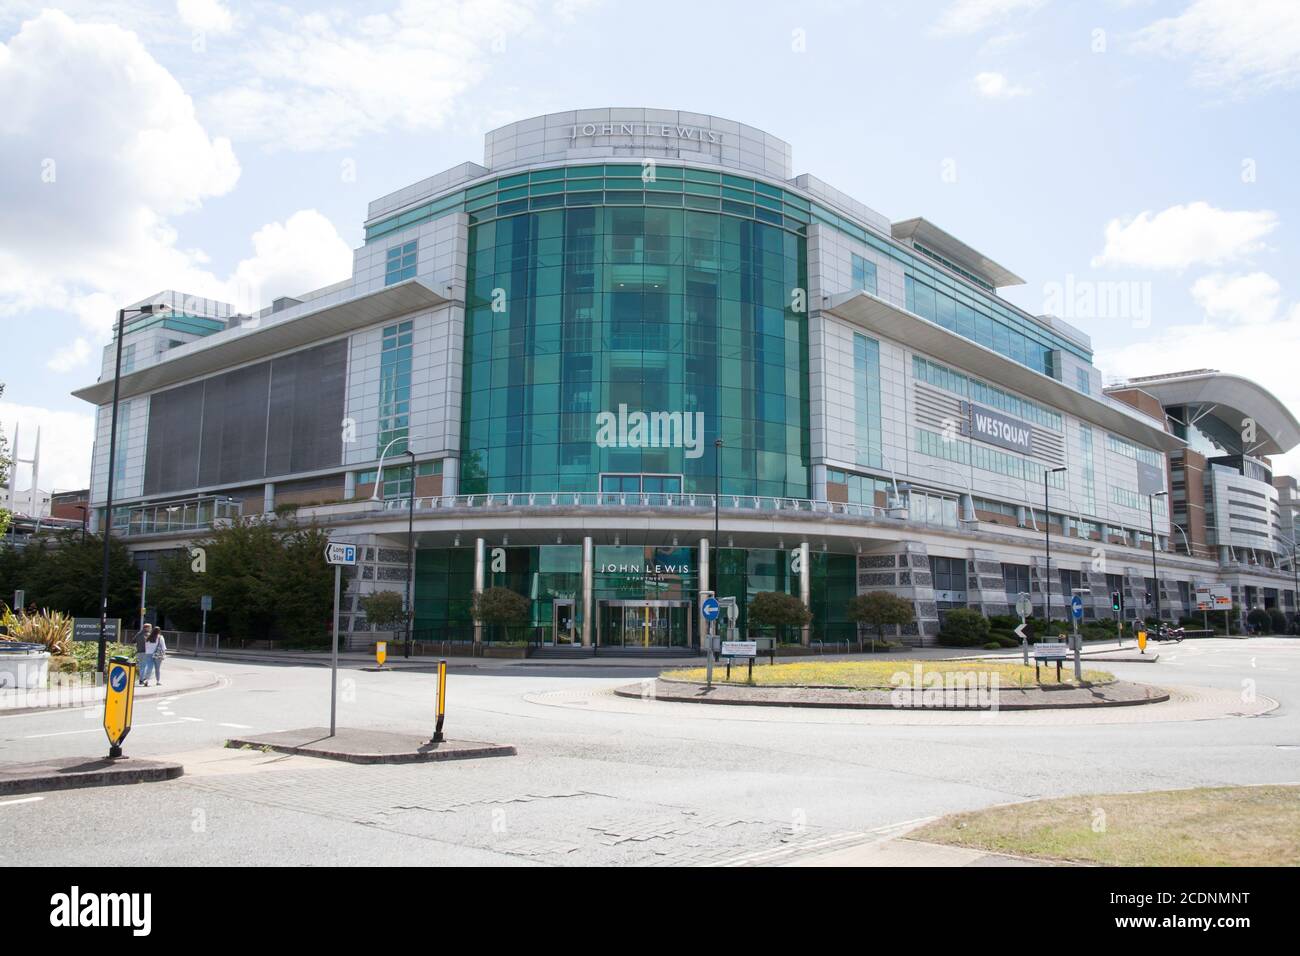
(639, 500)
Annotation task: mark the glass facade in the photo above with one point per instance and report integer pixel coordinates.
(394, 386)
(624, 341)
(866, 402)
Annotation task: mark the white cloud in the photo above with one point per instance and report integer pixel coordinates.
(1251, 298)
(210, 16)
(66, 439)
(70, 357)
(997, 86)
(972, 16)
(304, 252)
(101, 146)
(1263, 352)
(1183, 236)
(324, 80)
(1248, 46)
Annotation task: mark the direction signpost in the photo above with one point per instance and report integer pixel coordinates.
(339, 555)
(1076, 615)
(1024, 607)
(119, 700)
(709, 610)
(205, 603)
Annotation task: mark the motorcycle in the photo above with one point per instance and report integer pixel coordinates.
(1166, 633)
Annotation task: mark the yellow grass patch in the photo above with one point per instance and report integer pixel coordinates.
(1221, 826)
(880, 674)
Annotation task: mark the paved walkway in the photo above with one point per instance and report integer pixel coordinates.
(82, 690)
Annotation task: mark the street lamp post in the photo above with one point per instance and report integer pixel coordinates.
(717, 497)
(112, 466)
(1155, 575)
(410, 558)
(377, 495)
(1047, 531)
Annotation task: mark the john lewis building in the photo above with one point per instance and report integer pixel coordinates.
(617, 312)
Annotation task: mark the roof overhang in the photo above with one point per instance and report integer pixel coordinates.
(950, 247)
(871, 312)
(1235, 399)
(269, 335)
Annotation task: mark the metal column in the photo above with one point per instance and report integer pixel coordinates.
(588, 578)
(805, 587)
(704, 586)
(480, 581)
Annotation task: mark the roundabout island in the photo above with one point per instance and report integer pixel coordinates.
(965, 685)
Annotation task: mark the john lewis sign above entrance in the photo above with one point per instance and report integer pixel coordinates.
(697, 134)
(997, 428)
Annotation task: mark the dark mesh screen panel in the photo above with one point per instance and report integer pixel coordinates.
(171, 459)
(234, 426)
(307, 409)
(301, 393)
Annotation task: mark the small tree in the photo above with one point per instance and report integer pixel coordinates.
(501, 606)
(1259, 620)
(777, 609)
(878, 610)
(385, 610)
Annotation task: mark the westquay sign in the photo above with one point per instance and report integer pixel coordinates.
(997, 428)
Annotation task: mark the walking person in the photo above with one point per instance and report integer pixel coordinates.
(159, 652)
(150, 647)
(141, 639)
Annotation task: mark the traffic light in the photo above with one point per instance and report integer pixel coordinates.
(1114, 601)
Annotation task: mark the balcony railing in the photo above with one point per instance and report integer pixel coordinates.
(634, 500)
(190, 514)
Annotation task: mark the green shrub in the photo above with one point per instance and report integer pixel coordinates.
(964, 628)
(1277, 620)
(1259, 620)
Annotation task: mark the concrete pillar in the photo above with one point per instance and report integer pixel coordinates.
(967, 507)
(268, 497)
(701, 625)
(819, 482)
(805, 587)
(588, 583)
(349, 485)
(1022, 517)
(451, 476)
(480, 581)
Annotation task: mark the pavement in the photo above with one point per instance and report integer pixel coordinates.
(80, 690)
(369, 746)
(608, 781)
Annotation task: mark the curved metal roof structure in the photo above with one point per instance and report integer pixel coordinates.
(1232, 398)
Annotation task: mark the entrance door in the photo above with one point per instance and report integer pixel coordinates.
(634, 624)
(562, 623)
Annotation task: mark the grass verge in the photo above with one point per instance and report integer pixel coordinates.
(863, 675)
(1221, 826)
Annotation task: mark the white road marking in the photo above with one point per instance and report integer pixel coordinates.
(97, 730)
(237, 726)
(10, 803)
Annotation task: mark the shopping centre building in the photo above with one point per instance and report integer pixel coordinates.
(622, 312)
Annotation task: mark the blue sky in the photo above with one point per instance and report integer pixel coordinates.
(1136, 153)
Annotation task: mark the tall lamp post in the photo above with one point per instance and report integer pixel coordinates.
(717, 497)
(112, 466)
(1155, 575)
(410, 532)
(1047, 531)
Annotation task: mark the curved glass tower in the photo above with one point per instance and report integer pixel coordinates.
(612, 339)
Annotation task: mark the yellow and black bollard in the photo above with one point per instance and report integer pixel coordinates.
(441, 709)
(381, 652)
(119, 700)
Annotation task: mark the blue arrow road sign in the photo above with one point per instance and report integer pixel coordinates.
(710, 609)
(1076, 606)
